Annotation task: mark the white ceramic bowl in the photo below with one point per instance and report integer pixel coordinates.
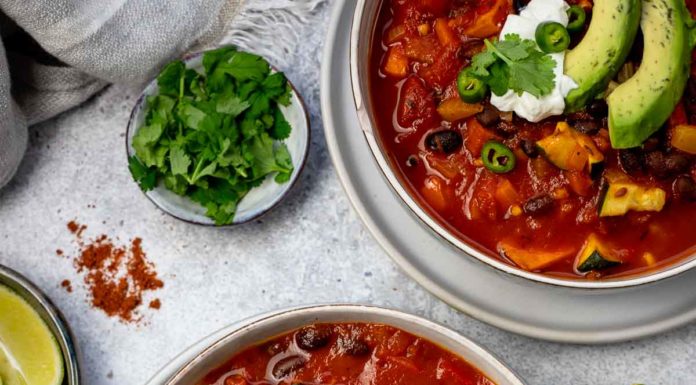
(361, 38)
(259, 200)
(51, 316)
(264, 328)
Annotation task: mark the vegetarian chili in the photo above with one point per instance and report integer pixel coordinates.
(552, 196)
(347, 353)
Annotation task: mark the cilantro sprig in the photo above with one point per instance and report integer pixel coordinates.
(214, 136)
(514, 64)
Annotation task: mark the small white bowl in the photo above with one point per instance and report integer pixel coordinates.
(260, 199)
(266, 327)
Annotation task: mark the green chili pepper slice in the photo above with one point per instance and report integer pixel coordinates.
(552, 37)
(497, 157)
(576, 19)
(471, 89)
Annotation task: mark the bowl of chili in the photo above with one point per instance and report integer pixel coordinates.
(426, 120)
(341, 343)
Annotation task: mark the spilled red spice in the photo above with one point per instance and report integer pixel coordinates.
(116, 276)
(155, 304)
(67, 285)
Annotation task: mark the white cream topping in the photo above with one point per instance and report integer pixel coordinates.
(525, 24)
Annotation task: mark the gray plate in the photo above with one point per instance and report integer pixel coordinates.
(51, 316)
(523, 307)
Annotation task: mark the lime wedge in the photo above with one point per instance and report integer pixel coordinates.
(29, 353)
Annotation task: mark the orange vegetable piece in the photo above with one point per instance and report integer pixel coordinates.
(506, 194)
(436, 193)
(684, 138)
(491, 21)
(579, 182)
(444, 33)
(454, 109)
(531, 259)
(476, 137)
(397, 63)
(395, 34)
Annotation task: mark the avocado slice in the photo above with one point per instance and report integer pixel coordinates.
(601, 53)
(642, 104)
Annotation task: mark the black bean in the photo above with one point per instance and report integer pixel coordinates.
(651, 144)
(520, 5)
(598, 109)
(447, 141)
(506, 129)
(529, 148)
(587, 127)
(677, 163)
(313, 337)
(353, 346)
(489, 116)
(287, 366)
(412, 161)
(631, 160)
(684, 188)
(655, 162)
(540, 204)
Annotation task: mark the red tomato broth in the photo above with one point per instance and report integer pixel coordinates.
(463, 199)
(384, 356)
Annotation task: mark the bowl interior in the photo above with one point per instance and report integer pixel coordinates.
(51, 316)
(361, 41)
(283, 322)
(260, 199)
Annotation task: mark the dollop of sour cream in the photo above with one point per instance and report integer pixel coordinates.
(525, 24)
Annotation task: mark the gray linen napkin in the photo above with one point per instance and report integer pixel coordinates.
(55, 54)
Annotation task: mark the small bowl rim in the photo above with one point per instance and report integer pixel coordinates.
(53, 318)
(362, 104)
(287, 187)
(313, 312)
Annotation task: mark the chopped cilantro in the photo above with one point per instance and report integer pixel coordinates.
(514, 64)
(213, 136)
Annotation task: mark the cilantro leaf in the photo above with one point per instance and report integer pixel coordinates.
(171, 78)
(179, 160)
(514, 64)
(215, 135)
(281, 128)
(146, 178)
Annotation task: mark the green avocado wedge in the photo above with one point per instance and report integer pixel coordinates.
(601, 53)
(642, 104)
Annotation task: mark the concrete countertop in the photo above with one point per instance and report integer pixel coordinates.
(312, 249)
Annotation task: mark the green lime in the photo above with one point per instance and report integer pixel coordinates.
(29, 353)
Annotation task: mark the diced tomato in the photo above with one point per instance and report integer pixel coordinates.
(678, 116)
(396, 64)
(449, 374)
(483, 204)
(444, 69)
(416, 105)
(449, 167)
(437, 7)
(437, 193)
(422, 49)
(395, 345)
(476, 137)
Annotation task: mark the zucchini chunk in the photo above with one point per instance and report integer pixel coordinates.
(570, 150)
(618, 198)
(532, 260)
(595, 256)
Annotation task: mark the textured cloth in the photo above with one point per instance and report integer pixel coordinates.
(55, 54)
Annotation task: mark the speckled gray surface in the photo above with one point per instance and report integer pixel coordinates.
(311, 249)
